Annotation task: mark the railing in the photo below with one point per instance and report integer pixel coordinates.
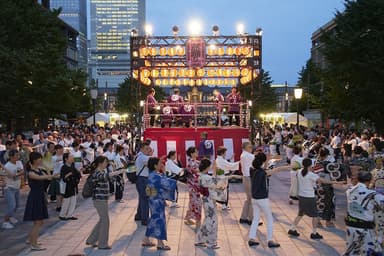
(195, 115)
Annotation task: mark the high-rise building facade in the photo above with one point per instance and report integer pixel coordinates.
(74, 13)
(111, 25)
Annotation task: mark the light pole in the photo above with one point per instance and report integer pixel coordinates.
(94, 97)
(298, 95)
(105, 102)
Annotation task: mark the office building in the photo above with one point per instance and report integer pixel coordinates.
(317, 56)
(74, 13)
(110, 29)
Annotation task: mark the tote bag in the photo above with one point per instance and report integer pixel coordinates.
(63, 186)
(294, 189)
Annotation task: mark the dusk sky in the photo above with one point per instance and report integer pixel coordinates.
(287, 25)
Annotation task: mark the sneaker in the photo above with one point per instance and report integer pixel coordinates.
(13, 220)
(7, 225)
(272, 244)
(316, 236)
(37, 248)
(252, 243)
(243, 221)
(293, 233)
(63, 218)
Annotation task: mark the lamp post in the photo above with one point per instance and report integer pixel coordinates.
(298, 95)
(106, 102)
(94, 97)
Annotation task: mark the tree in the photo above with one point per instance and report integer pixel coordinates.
(264, 97)
(34, 80)
(355, 73)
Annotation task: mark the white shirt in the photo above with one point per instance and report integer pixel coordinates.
(364, 145)
(57, 163)
(13, 182)
(296, 162)
(226, 166)
(78, 159)
(110, 155)
(336, 142)
(172, 167)
(246, 160)
(118, 162)
(307, 184)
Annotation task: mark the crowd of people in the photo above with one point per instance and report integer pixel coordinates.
(53, 162)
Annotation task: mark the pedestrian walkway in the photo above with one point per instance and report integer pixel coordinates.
(68, 238)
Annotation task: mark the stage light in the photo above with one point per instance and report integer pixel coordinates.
(133, 32)
(195, 27)
(240, 28)
(148, 29)
(175, 30)
(250, 103)
(215, 30)
(259, 32)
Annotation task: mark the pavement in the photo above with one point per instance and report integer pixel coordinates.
(68, 238)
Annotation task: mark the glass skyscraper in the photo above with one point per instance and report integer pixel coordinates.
(111, 25)
(74, 13)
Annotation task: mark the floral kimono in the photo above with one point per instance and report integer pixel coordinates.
(159, 188)
(325, 194)
(378, 177)
(208, 230)
(194, 206)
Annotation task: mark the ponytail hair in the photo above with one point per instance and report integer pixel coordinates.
(306, 164)
(92, 167)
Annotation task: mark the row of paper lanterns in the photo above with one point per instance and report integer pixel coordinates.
(180, 51)
(242, 62)
(191, 73)
(195, 82)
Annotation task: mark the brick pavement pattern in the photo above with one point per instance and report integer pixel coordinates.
(68, 238)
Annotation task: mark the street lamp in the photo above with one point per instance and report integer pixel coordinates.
(105, 102)
(94, 97)
(298, 94)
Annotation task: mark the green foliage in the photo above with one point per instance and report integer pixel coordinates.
(355, 73)
(34, 79)
(129, 95)
(263, 96)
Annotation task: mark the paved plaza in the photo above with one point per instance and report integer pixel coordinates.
(68, 238)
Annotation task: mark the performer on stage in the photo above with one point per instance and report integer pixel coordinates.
(187, 111)
(234, 100)
(151, 103)
(218, 98)
(175, 101)
(166, 115)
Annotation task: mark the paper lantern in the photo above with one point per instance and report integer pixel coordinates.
(185, 81)
(171, 51)
(143, 52)
(245, 51)
(255, 73)
(145, 73)
(236, 72)
(182, 72)
(135, 74)
(211, 82)
(199, 82)
(155, 73)
(243, 80)
(220, 51)
(191, 72)
(191, 82)
(171, 81)
(178, 82)
(164, 72)
(243, 62)
(244, 72)
(158, 82)
(211, 72)
(172, 72)
(219, 81)
(135, 54)
(165, 82)
(153, 51)
(256, 53)
(230, 50)
(219, 72)
(233, 82)
(238, 51)
(200, 72)
(180, 50)
(147, 63)
(227, 72)
(163, 51)
(205, 81)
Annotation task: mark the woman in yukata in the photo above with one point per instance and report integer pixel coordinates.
(159, 189)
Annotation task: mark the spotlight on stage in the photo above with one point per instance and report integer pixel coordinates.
(148, 29)
(134, 32)
(240, 28)
(175, 30)
(215, 30)
(195, 27)
(259, 32)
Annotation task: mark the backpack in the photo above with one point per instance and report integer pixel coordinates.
(89, 187)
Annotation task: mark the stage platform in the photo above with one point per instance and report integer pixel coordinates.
(164, 140)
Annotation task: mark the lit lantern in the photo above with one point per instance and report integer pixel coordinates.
(178, 82)
(163, 51)
(211, 72)
(165, 82)
(230, 50)
(145, 73)
(191, 82)
(199, 82)
(244, 72)
(147, 63)
(219, 72)
(155, 73)
(205, 81)
(171, 81)
(256, 53)
(245, 51)
(185, 81)
(171, 51)
(220, 51)
(200, 72)
(233, 82)
(219, 82)
(226, 81)
(158, 82)
(227, 72)
(236, 72)
(238, 51)
(211, 82)
(182, 72)
(243, 62)
(191, 72)
(153, 51)
(135, 54)
(164, 72)
(243, 80)
(164, 64)
(172, 72)
(255, 73)
(135, 74)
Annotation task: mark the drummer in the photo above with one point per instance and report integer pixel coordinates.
(175, 101)
(187, 111)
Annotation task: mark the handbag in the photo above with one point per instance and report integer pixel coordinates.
(62, 186)
(294, 189)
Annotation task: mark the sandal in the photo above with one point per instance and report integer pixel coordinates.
(148, 244)
(163, 248)
(200, 244)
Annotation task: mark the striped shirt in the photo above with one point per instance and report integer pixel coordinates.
(101, 178)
